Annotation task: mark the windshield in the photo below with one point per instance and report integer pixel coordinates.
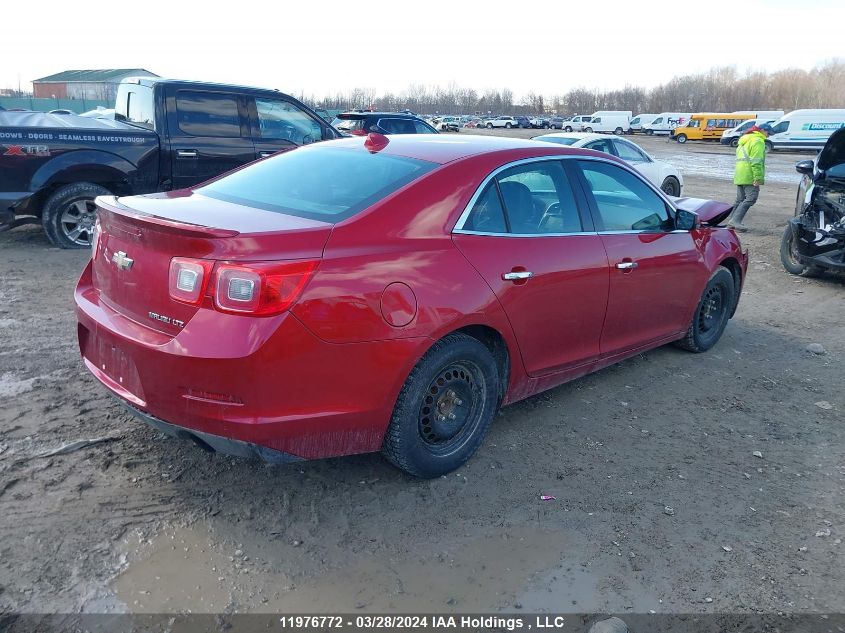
(560, 140)
(321, 183)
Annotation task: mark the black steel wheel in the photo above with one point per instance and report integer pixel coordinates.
(444, 408)
(712, 312)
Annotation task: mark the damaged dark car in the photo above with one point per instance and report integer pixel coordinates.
(814, 240)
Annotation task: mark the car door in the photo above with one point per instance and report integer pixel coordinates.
(280, 125)
(656, 273)
(208, 134)
(530, 239)
(637, 159)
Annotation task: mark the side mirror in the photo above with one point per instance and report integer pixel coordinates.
(686, 220)
(805, 167)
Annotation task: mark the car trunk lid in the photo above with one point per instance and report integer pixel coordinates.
(139, 236)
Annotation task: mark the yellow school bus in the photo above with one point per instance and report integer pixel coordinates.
(708, 126)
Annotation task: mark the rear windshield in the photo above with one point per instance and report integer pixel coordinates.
(560, 140)
(321, 183)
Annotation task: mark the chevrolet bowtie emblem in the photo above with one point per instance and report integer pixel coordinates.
(123, 262)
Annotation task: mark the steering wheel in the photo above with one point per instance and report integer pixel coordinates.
(552, 211)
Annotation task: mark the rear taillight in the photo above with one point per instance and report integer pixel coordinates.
(260, 288)
(188, 279)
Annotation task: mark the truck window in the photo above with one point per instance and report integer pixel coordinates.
(137, 107)
(281, 120)
(208, 114)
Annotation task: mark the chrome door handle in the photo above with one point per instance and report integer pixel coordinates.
(516, 276)
(265, 154)
(186, 153)
(627, 265)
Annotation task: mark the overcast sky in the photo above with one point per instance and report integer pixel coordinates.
(323, 47)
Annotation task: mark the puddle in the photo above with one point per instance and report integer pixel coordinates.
(181, 572)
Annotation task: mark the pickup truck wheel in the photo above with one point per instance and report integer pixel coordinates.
(712, 313)
(789, 257)
(671, 186)
(69, 214)
(444, 408)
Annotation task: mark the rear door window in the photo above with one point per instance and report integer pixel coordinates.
(208, 114)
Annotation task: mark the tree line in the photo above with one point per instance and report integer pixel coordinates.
(721, 89)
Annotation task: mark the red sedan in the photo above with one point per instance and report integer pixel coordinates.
(370, 294)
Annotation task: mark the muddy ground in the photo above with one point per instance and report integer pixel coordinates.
(661, 503)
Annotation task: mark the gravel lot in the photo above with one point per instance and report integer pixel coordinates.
(683, 483)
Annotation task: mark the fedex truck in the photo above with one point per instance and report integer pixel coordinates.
(665, 122)
(805, 129)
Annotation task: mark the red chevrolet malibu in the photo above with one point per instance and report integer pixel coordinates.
(370, 294)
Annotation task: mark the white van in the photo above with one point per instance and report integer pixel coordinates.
(731, 135)
(665, 122)
(576, 123)
(640, 120)
(805, 129)
(615, 123)
(626, 113)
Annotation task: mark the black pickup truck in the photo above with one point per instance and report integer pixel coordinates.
(166, 134)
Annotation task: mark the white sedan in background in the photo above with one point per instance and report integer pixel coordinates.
(661, 174)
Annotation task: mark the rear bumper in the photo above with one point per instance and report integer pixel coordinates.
(216, 443)
(267, 382)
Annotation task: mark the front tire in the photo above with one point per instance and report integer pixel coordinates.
(712, 313)
(567, 128)
(69, 214)
(681, 138)
(618, 131)
(508, 125)
(735, 142)
(489, 126)
(789, 257)
(769, 146)
(671, 186)
(444, 408)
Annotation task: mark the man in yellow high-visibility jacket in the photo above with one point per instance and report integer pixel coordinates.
(750, 172)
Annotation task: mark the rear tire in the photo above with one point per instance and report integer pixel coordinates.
(444, 408)
(671, 186)
(588, 130)
(711, 314)
(567, 129)
(790, 261)
(508, 125)
(649, 132)
(68, 215)
(489, 126)
(618, 131)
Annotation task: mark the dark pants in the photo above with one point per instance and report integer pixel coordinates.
(746, 196)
